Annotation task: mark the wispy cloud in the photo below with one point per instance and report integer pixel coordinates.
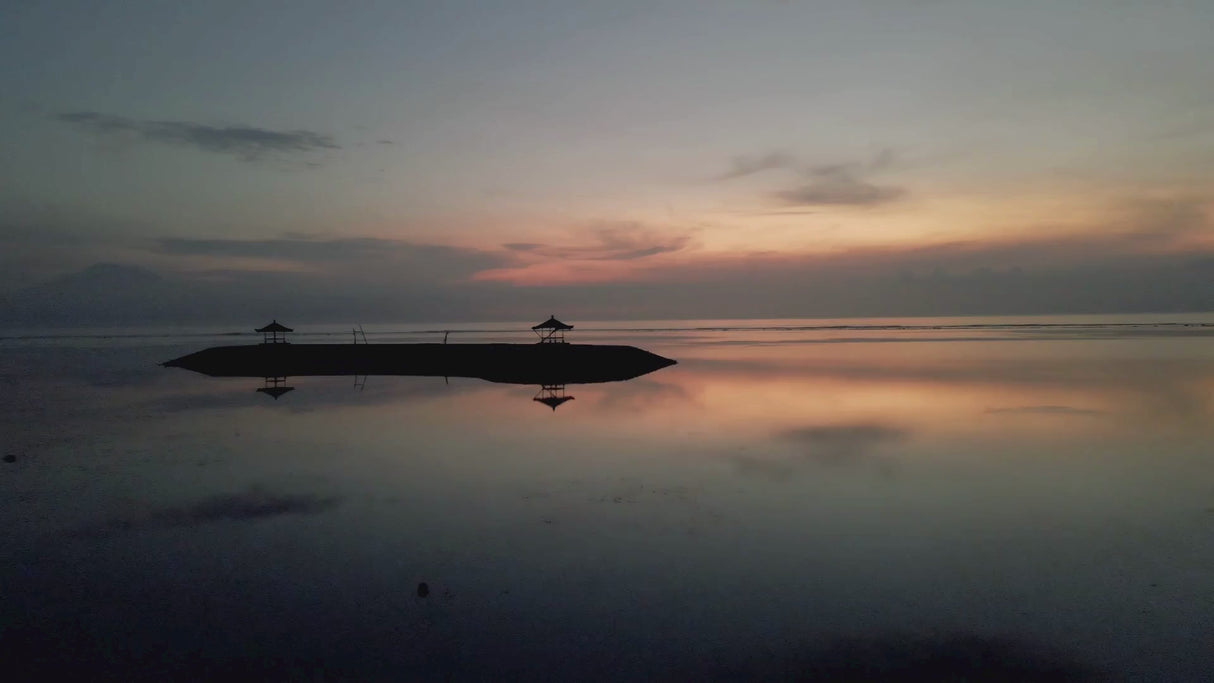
(841, 187)
(246, 142)
(1046, 410)
(365, 255)
(627, 270)
(846, 184)
(299, 247)
(621, 242)
(1155, 219)
(749, 165)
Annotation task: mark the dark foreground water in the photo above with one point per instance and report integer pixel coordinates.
(849, 500)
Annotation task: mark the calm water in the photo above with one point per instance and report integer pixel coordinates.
(1026, 497)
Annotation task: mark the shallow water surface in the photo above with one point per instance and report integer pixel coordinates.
(1026, 498)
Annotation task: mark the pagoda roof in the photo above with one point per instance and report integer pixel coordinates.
(274, 326)
(552, 324)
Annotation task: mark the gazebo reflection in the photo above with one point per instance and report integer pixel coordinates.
(275, 386)
(552, 395)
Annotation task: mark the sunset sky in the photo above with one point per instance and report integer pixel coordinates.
(461, 160)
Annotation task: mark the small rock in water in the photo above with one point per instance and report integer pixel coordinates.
(423, 589)
(10, 458)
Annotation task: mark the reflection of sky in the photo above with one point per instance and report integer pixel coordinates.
(755, 502)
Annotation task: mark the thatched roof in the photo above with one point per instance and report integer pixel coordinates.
(274, 327)
(552, 324)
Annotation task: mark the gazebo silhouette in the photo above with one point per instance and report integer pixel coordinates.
(270, 333)
(551, 331)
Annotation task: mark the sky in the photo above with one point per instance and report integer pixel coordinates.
(492, 161)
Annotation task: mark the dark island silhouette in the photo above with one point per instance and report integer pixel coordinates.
(550, 362)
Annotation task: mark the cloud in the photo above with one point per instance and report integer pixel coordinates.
(250, 505)
(631, 271)
(749, 165)
(622, 242)
(1046, 410)
(246, 142)
(365, 255)
(839, 187)
(845, 184)
(524, 246)
(295, 247)
(347, 279)
(1153, 219)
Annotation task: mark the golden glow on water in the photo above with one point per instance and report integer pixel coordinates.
(933, 396)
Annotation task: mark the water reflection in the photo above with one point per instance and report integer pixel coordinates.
(835, 445)
(253, 504)
(275, 387)
(907, 658)
(1033, 509)
(552, 395)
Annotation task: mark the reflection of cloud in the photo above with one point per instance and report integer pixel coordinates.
(1046, 410)
(961, 657)
(320, 393)
(638, 395)
(1144, 375)
(250, 505)
(246, 142)
(840, 443)
(826, 445)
